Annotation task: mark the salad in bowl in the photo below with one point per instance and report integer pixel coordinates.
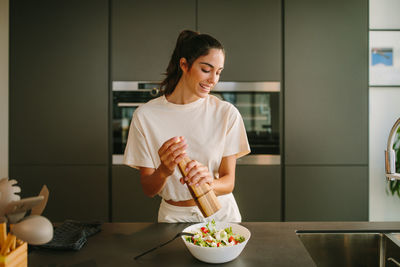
(210, 236)
(216, 242)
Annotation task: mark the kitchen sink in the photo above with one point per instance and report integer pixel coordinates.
(349, 248)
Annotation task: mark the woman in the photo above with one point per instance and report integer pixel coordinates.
(187, 121)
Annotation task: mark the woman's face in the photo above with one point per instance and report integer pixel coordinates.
(204, 73)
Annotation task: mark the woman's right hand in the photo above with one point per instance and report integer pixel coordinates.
(171, 153)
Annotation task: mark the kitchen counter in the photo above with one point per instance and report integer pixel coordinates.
(271, 244)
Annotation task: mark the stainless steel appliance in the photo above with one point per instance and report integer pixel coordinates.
(127, 96)
(257, 102)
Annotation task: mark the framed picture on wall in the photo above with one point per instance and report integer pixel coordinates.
(384, 58)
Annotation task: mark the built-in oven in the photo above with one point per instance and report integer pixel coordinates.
(127, 97)
(257, 102)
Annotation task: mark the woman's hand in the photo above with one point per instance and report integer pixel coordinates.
(171, 153)
(197, 174)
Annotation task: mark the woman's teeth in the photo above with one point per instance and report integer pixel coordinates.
(205, 87)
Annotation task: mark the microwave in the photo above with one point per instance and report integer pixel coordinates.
(257, 102)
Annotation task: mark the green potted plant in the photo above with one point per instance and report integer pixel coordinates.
(394, 186)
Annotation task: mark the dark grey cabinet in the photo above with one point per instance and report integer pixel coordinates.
(326, 110)
(144, 34)
(258, 192)
(129, 203)
(59, 104)
(327, 193)
(326, 82)
(59, 82)
(251, 33)
(76, 192)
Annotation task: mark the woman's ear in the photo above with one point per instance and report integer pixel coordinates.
(183, 64)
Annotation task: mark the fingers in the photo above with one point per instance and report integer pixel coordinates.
(171, 146)
(197, 174)
(167, 144)
(171, 153)
(180, 157)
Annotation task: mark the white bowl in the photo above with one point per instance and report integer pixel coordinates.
(217, 254)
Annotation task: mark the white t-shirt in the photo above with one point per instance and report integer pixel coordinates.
(212, 129)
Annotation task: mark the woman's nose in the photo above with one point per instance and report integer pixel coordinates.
(213, 78)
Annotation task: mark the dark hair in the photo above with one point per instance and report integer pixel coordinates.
(189, 45)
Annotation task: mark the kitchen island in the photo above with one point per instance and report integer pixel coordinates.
(271, 244)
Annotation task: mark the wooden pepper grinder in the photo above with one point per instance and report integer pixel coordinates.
(202, 194)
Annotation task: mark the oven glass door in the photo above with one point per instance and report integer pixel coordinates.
(260, 113)
(124, 104)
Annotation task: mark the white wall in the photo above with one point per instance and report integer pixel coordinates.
(4, 30)
(384, 110)
(384, 14)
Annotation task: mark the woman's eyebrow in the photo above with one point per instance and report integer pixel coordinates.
(211, 66)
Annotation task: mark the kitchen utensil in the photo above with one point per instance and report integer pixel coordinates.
(217, 254)
(8, 193)
(24, 204)
(3, 233)
(8, 244)
(202, 194)
(16, 210)
(38, 209)
(34, 229)
(163, 244)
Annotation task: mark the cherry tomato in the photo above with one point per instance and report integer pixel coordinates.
(204, 230)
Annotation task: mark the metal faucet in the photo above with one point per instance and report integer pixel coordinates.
(390, 155)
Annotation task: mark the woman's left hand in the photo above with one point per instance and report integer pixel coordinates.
(197, 174)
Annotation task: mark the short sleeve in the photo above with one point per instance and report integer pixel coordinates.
(137, 152)
(236, 142)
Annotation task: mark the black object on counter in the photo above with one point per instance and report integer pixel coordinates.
(163, 244)
(72, 235)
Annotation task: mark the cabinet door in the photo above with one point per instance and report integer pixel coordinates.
(326, 193)
(258, 192)
(144, 34)
(129, 203)
(59, 82)
(76, 192)
(326, 82)
(251, 34)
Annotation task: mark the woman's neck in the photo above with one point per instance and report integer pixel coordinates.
(182, 94)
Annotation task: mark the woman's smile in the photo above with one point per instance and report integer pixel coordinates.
(206, 87)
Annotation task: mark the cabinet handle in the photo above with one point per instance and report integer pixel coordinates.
(129, 104)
